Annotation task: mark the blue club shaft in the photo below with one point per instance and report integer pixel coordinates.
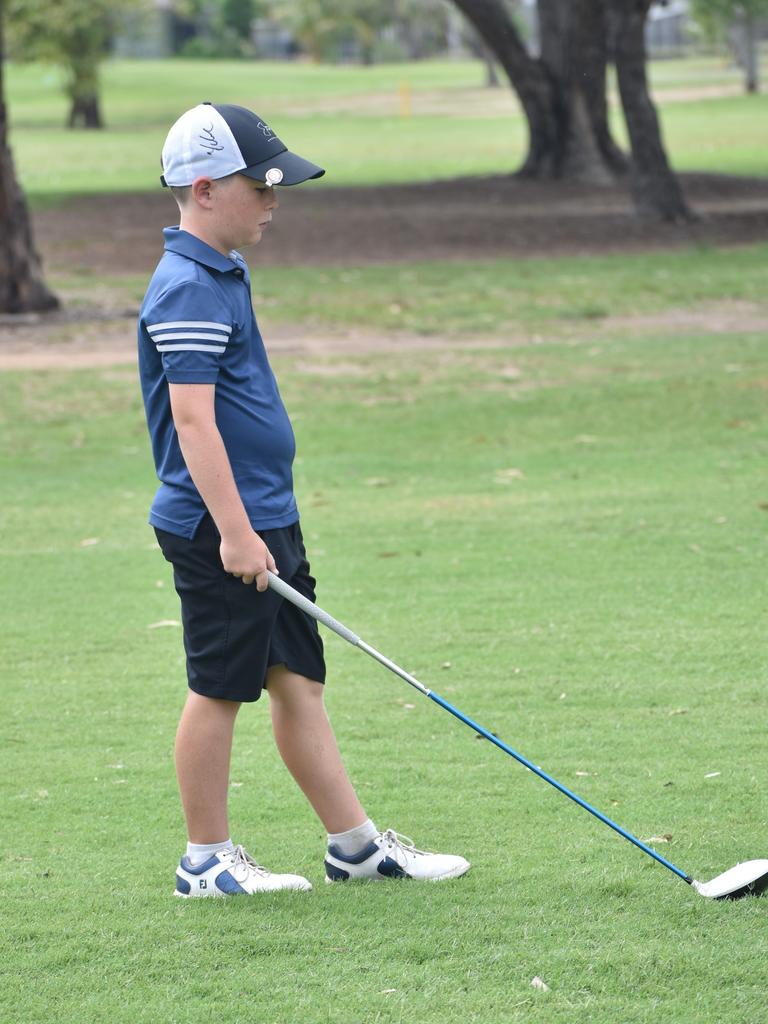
(347, 634)
(558, 785)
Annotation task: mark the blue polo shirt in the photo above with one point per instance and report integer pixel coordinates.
(197, 326)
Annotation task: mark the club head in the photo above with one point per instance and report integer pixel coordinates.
(747, 879)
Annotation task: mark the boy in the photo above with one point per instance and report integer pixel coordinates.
(225, 513)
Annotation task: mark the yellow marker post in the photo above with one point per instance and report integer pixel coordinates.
(405, 99)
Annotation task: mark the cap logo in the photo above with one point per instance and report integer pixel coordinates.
(209, 142)
(268, 133)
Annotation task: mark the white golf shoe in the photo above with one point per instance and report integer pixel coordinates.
(231, 873)
(392, 856)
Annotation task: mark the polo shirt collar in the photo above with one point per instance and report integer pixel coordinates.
(185, 244)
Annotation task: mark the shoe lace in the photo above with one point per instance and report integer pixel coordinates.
(243, 863)
(400, 846)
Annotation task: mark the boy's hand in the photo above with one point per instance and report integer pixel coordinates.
(247, 557)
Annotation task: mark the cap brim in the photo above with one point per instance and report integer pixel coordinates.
(295, 169)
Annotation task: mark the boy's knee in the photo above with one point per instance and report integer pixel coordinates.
(288, 687)
(199, 703)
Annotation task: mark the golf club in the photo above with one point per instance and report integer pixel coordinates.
(749, 878)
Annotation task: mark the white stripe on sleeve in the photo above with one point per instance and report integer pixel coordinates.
(191, 348)
(189, 335)
(189, 323)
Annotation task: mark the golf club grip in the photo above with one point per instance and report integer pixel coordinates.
(287, 591)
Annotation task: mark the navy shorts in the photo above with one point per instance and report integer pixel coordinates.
(232, 633)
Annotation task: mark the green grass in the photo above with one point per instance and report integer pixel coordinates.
(347, 118)
(720, 135)
(580, 533)
(158, 89)
(496, 297)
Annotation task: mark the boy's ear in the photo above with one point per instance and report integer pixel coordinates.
(202, 189)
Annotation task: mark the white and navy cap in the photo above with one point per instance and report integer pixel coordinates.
(217, 139)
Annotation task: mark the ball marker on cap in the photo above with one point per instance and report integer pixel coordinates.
(218, 139)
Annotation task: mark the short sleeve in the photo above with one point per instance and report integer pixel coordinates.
(190, 327)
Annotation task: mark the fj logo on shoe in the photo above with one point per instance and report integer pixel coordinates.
(203, 883)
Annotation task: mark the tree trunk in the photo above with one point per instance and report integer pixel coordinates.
(573, 49)
(528, 78)
(22, 288)
(655, 188)
(563, 92)
(748, 30)
(590, 48)
(83, 90)
(492, 80)
(85, 111)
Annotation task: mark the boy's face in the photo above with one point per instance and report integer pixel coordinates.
(242, 209)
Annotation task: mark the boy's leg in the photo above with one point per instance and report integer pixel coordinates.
(203, 748)
(308, 747)
(226, 638)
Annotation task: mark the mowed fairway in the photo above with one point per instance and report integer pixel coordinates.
(566, 540)
(539, 485)
(383, 124)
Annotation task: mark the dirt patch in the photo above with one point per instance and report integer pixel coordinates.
(732, 317)
(47, 345)
(471, 218)
(59, 342)
(480, 101)
(97, 238)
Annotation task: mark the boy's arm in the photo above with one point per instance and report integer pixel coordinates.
(243, 552)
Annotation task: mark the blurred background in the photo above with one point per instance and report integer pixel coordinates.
(466, 129)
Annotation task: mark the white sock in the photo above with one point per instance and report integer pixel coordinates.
(199, 852)
(355, 839)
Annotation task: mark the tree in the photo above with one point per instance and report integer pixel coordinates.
(323, 27)
(741, 20)
(562, 92)
(73, 35)
(238, 15)
(22, 288)
(422, 27)
(655, 187)
(574, 51)
(215, 28)
(563, 96)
